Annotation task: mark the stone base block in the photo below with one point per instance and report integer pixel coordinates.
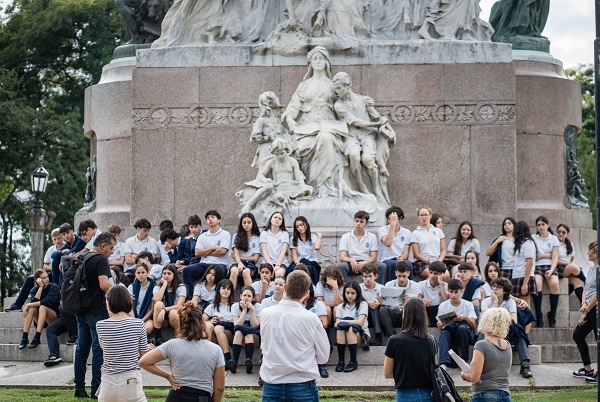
(10, 352)
(13, 336)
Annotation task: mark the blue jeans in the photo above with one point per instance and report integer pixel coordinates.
(290, 392)
(491, 396)
(414, 395)
(87, 339)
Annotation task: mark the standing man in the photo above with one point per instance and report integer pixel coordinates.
(295, 342)
(98, 271)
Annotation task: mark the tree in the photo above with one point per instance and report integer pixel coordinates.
(50, 51)
(586, 149)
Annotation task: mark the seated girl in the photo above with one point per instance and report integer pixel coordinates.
(141, 291)
(168, 295)
(278, 293)
(205, 289)
(329, 289)
(246, 251)
(304, 248)
(246, 329)
(219, 315)
(264, 287)
(42, 308)
(350, 323)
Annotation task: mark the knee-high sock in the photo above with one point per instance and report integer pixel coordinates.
(579, 294)
(235, 352)
(249, 349)
(341, 352)
(581, 276)
(553, 305)
(537, 302)
(353, 349)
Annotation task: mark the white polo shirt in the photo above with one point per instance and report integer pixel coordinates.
(253, 246)
(90, 243)
(350, 311)
(162, 253)
(133, 245)
(118, 252)
(270, 301)
(520, 259)
(319, 308)
(297, 343)
(545, 246)
(508, 246)
(562, 253)
(470, 245)
(369, 294)
(401, 239)
(465, 308)
(156, 271)
(358, 250)
(257, 286)
(306, 250)
(412, 287)
(221, 238)
(181, 291)
(237, 311)
(208, 295)
(274, 244)
(428, 241)
(509, 304)
(48, 255)
(223, 314)
(430, 292)
(326, 293)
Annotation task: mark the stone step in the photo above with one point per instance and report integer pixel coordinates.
(11, 352)
(566, 353)
(11, 320)
(13, 335)
(8, 301)
(544, 336)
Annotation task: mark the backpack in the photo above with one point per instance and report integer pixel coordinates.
(74, 291)
(443, 385)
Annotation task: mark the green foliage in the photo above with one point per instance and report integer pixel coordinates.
(50, 51)
(586, 152)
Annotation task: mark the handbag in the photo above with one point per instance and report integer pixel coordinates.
(442, 384)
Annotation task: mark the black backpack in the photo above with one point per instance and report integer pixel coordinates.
(443, 385)
(74, 291)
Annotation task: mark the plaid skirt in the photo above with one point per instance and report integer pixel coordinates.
(419, 266)
(542, 269)
(560, 268)
(518, 282)
(506, 273)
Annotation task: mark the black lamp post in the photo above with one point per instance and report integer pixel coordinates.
(39, 219)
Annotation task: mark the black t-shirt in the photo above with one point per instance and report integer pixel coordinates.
(96, 266)
(412, 360)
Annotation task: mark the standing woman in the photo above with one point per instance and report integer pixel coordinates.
(545, 268)
(492, 358)
(409, 355)
(427, 243)
(304, 248)
(42, 308)
(523, 256)
(201, 379)
(246, 251)
(566, 262)
(123, 340)
(501, 249)
(274, 243)
(168, 295)
(587, 320)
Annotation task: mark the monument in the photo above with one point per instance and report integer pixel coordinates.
(385, 102)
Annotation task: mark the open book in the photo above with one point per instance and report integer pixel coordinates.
(393, 297)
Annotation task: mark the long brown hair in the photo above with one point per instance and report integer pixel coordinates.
(414, 318)
(191, 322)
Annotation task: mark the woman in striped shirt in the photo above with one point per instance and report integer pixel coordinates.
(123, 340)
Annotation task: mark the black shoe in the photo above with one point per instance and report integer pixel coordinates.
(366, 346)
(551, 321)
(592, 380)
(249, 366)
(52, 361)
(350, 367)
(340, 367)
(583, 373)
(13, 307)
(232, 366)
(81, 394)
(377, 341)
(526, 371)
(323, 371)
(24, 342)
(34, 343)
(72, 340)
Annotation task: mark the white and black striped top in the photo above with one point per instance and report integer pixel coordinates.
(122, 341)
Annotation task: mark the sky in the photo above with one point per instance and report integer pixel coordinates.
(570, 29)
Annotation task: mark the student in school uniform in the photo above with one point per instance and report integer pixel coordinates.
(472, 286)
(212, 247)
(304, 248)
(246, 321)
(186, 252)
(274, 243)
(264, 287)
(141, 291)
(154, 270)
(171, 240)
(205, 290)
(359, 248)
(523, 257)
(329, 290)
(141, 241)
(458, 333)
(168, 295)
(219, 315)
(546, 264)
(371, 292)
(246, 251)
(278, 293)
(433, 291)
(394, 241)
(391, 316)
(427, 243)
(350, 323)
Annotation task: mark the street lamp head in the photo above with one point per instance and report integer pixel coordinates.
(39, 179)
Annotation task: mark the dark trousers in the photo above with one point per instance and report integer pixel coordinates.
(391, 268)
(188, 394)
(314, 269)
(580, 333)
(390, 319)
(194, 272)
(432, 312)
(456, 336)
(375, 320)
(87, 339)
(65, 322)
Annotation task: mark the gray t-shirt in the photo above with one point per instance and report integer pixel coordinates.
(590, 284)
(197, 372)
(496, 364)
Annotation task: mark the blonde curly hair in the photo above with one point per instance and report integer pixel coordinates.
(495, 322)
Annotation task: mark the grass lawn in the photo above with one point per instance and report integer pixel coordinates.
(243, 395)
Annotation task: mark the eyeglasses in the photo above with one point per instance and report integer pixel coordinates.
(496, 287)
(423, 215)
(561, 231)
